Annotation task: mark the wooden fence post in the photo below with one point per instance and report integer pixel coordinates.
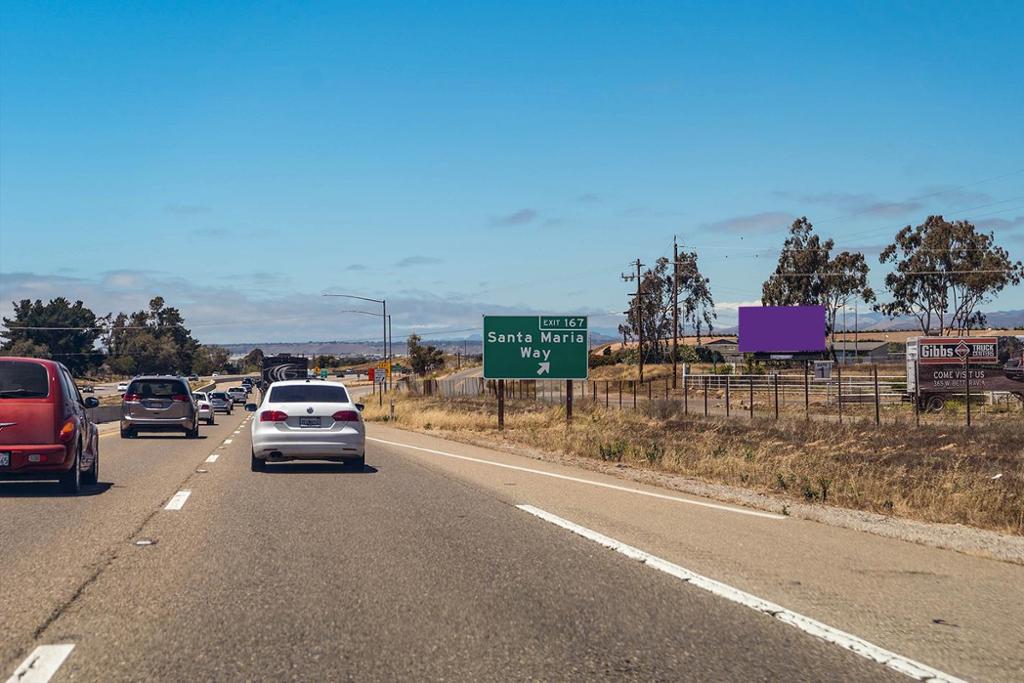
(878, 400)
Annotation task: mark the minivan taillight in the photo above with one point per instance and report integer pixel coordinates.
(131, 397)
(346, 416)
(67, 431)
(273, 416)
(181, 398)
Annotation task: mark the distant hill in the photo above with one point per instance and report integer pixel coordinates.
(368, 347)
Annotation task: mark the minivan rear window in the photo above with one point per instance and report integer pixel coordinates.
(19, 379)
(156, 388)
(308, 393)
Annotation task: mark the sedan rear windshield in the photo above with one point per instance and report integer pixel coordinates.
(157, 388)
(19, 379)
(308, 393)
(218, 394)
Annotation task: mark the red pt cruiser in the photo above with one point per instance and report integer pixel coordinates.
(45, 432)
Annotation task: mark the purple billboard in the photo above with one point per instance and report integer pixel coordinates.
(781, 329)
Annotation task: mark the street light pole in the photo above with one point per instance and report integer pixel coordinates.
(384, 317)
(389, 346)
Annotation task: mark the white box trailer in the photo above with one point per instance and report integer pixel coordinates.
(941, 367)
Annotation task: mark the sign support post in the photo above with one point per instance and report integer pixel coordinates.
(568, 400)
(501, 404)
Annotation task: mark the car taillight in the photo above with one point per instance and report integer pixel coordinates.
(179, 397)
(67, 431)
(131, 397)
(346, 416)
(273, 416)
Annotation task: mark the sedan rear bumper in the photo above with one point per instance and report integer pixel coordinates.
(353, 446)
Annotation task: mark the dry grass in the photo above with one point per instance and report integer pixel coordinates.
(938, 474)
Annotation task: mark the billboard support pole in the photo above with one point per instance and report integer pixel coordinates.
(775, 381)
(750, 378)
(839, 389)
(917, 394)
(967, 379)
(807, 393)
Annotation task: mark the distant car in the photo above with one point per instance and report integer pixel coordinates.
(122, 387)
(193, 378)
(237, 394)
(216, 374)
(45, 429)
(204, 406)
(160, 403)
(221, 402)
(303, 420)
(87, 389)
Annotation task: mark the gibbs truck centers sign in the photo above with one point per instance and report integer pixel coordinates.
(536, 347)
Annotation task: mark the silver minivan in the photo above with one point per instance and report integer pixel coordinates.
(159, 404)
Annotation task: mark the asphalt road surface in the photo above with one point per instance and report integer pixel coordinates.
(422, 566)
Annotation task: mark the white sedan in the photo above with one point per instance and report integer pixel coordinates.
(304, 420)
(204, 406)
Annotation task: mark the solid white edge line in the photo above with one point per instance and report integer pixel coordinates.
(565, 477)
(41, 664)
(177, 501)
(213, 457)
(847, 641)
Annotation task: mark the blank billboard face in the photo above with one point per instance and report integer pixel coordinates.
(781, 329)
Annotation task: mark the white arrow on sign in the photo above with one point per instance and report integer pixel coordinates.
(544, 367)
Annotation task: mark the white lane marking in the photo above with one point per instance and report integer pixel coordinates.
(847, 641)
(614, 487)
(177, 501)
(227, 441)
(213, 457)
(40, 666)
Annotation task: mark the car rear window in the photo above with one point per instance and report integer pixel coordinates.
(218, 394)
(308, 393)
(157, 388)
(19, 379)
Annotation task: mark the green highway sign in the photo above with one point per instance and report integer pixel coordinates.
(323, 373)
(536, 347)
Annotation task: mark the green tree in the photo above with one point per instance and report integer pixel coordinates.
(423, 357)
(153, 340)
(808, 275)
(58, 329)
(253, 361)
(653, 308)
(944, 271)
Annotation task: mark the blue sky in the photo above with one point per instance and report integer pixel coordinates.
(240, 159)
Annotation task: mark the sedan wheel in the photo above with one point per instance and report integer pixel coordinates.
(92, 477)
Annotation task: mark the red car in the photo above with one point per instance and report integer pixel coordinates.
(45, 432)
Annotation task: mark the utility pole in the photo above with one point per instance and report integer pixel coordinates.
(675, 313)
(639, 312)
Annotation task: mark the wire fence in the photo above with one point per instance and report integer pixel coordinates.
(871, 398)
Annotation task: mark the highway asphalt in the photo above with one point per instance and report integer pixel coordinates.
(421, 566)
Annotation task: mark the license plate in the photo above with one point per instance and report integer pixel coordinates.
(5, 459)
(309, 421)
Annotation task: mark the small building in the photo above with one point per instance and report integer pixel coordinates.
(849, 352)
(728, 348)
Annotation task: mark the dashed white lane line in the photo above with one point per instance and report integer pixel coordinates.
(227, 441)
(177, 501)
(578, 480)
(847, 641)
(40, 666)
(213, 457)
